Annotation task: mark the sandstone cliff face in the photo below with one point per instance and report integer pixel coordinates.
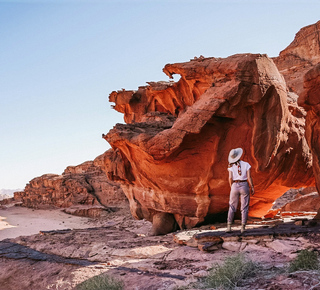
(171, 156)
(85, 184)
(310, 100)
(300, 65)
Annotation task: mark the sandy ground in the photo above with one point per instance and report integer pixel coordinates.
(119, 246)
(18, 221)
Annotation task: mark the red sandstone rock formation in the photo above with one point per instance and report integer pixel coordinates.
(171, 156)
(296, 202)
(300, 65)
(310, 99)
(85, 184)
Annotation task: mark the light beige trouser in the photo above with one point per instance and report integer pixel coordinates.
(239, 190)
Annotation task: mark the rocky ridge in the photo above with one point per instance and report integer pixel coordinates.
(82, 190)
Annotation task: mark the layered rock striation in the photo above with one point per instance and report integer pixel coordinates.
(85, 185)
(171, 156)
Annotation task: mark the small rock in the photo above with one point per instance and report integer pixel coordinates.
(207, 247)
(283, 246)
(253, 241)
(299, 223)
(192, 243)
(231, 246)
(208, 237)
(201, 274)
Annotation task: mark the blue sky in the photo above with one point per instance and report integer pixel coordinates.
(59, 61)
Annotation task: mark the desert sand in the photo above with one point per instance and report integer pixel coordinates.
(18, 221)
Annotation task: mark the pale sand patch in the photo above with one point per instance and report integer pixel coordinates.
(21, 221)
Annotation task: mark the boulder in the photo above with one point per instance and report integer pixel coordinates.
(163, 223)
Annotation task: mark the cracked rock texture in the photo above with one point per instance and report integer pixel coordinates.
(171, 155)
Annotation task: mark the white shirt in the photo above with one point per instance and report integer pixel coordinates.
(245, 166)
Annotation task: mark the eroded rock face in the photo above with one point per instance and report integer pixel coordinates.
(296, 202)
(171, 156)
(300, 56)
(310, 100)
(300, 65)
(84, 184)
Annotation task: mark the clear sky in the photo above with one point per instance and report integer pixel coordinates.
(60, 59)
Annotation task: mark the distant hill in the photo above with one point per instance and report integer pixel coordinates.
(7, 193)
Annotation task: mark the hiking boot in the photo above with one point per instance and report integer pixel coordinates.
(243, 228)
(228, 228)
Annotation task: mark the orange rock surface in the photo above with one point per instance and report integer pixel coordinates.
(171, 156)
(300, 65)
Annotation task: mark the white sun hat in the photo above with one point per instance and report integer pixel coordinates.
(235, 155)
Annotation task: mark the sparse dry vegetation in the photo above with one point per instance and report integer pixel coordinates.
(101, 282)
(306, 260)
(231, 272)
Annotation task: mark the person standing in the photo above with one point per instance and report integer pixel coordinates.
(239, 180)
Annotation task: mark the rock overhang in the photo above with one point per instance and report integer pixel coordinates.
(217, 104)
